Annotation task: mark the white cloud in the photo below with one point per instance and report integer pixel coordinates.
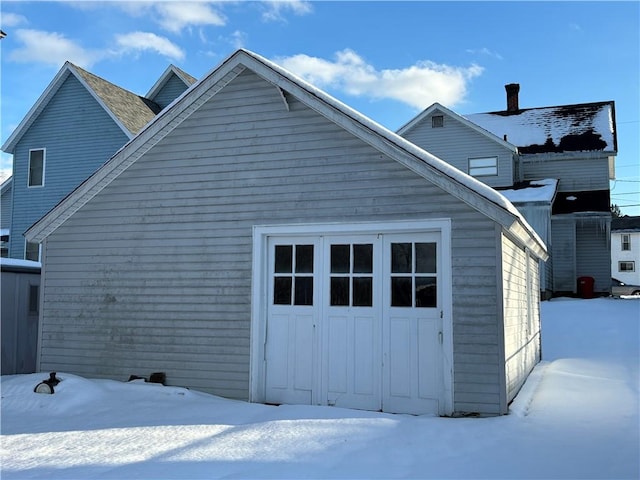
(140, 41)
(238, 39)
(51, 48)
(174, 16)
(275, 9)
(6, 166)
(418, 85)
(486, 52)
(12, 20)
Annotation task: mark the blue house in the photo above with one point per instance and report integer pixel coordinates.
(76, 125)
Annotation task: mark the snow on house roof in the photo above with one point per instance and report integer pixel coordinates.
(581, 127)
(537, 191)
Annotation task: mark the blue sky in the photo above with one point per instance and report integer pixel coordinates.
(389, 60)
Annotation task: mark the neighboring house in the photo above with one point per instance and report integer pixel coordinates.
(572, 145)
(5, 215)
(20, 282)
(77, 124)
(260, 240)
(625, 249)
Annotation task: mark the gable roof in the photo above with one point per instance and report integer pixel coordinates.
(425, 114)
(438, 172)
(171, 71)
(128, 110)
(627, 224)
(582, 127)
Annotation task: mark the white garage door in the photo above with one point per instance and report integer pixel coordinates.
(355, 321)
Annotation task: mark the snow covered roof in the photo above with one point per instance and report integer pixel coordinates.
(537, 191)
(18, 264)
(566, 128)
(436, 107)
(450, 179)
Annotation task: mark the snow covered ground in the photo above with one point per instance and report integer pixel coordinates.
(576, 417)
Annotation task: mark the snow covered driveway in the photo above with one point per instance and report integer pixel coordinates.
(576, 417)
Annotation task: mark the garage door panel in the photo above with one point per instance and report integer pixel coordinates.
(399, 356)
(365, 360)
(337, 354)
(428, 358)
(302, 353)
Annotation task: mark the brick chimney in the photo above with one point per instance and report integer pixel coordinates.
(512, 96)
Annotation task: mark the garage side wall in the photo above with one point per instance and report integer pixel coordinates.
(521, 279)
(154, 273)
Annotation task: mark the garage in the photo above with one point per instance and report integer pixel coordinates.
(354, 319)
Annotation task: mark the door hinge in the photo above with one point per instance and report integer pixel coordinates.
(441, 314)
(440, 337)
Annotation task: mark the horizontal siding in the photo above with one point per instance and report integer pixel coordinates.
(563, 248)
(455, 143)
(593, 251)
(78, 136)
(5, 208)
(172, 89)
(520, 276)
(154, 274)
(574, 174)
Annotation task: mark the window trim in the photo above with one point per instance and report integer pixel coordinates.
(625, 241)
(44, 162)
(626, 262)
(483, 167)
(439, 123)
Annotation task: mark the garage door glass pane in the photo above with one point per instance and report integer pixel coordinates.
(425, 258)
(426, 292)
(284, 258)
(304, 258)
(363, 258)
(304, 291)
(339, 291)
(401, 292)
(282, 291)
(362, 291)
(340, 258)
(401, 258)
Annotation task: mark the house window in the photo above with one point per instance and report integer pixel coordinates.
(626, 241)
(482, 167)
(4, 246)
(32, 251)
(437, 121)
(626, 266)
(36, 168)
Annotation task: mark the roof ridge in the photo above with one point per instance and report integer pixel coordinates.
(133, 110)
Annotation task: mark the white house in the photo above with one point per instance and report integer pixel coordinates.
(625, 249)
